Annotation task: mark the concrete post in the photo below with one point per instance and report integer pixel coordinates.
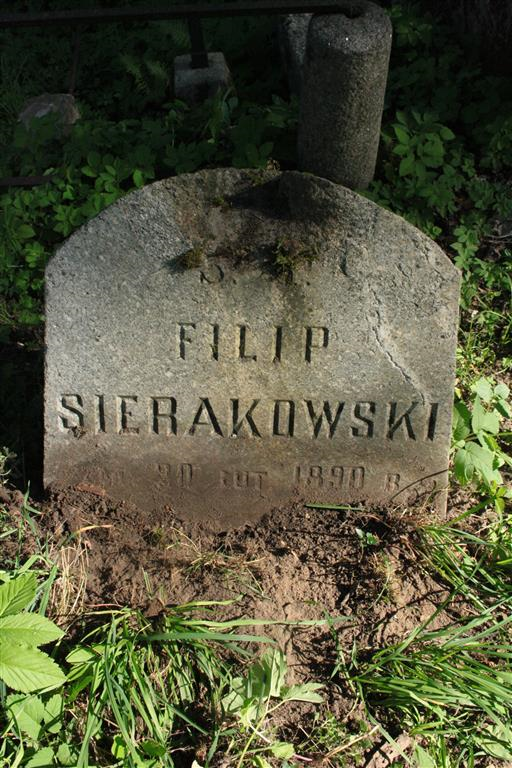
(345, 73)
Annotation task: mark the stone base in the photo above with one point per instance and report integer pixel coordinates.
(196, 85)
(62, 104)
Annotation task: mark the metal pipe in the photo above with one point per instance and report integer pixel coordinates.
(199, 55)
(26, 181)
(199, 10)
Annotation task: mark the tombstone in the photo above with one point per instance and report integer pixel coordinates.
(228, 341)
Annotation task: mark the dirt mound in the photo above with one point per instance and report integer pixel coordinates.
(358, 567)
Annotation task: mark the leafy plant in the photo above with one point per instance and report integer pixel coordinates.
(478, 455)
(140, 683)
(367, 538)
(338, 745)
(23, 666)
(257, 695)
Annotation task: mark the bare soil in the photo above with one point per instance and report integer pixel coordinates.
(360, 568)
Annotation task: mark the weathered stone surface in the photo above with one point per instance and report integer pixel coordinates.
(195, 85)
(293, 33)
(62, 104)
(342, 98)
(183, 369)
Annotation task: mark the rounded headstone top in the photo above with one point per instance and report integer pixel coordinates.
(225, 341)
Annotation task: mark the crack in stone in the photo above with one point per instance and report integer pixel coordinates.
(376, 328)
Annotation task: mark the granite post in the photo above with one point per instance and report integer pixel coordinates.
(342, 99)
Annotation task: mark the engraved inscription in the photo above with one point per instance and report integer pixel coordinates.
(318, 420)
(181, 475)
(330, 417)
(211, 340)
(284, 418)
(243, 354)
(392, 483)
(126, 419)
(278, 344)
(70, 415)
(164, 415)
(318, 476)
(185, 337)
(241, 480)
(316, 338)
(240, 420)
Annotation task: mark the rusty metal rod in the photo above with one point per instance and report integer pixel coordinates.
(26, 181)
(197, 10)
(199, 55)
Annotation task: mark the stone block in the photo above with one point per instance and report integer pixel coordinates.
(228, 341)
(195, 85)
(62, 104)
(344, 82)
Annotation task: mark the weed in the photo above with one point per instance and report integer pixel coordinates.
(478, 455)
(257, 695)
(192, 259)
(366, 539)
(288, 254)
(232, 569)
(137, 692)
(23, 666)
(331, 739)
(5, 457)
(450, 682)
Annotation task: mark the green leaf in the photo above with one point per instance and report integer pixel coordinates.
(28, 669)
(423, 759)
(461, 422)
(138, 178)
(67, 755)
(502, 391)
(53, 709)
(407, 166)
(43, 758)
(29, 629)
(483, 388)
(119, 748)
(401, 134)
(234, 700)
(463, 466)
(446, 134)
(497, 741)
(482, 420)
(25, 232)
(283, 750)
(27, 712)
(259, 762)
(304, 692)
(82, 655)
(504, 409)
(483, 461)
(267, 676)
(153, 748)
(17, 594)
